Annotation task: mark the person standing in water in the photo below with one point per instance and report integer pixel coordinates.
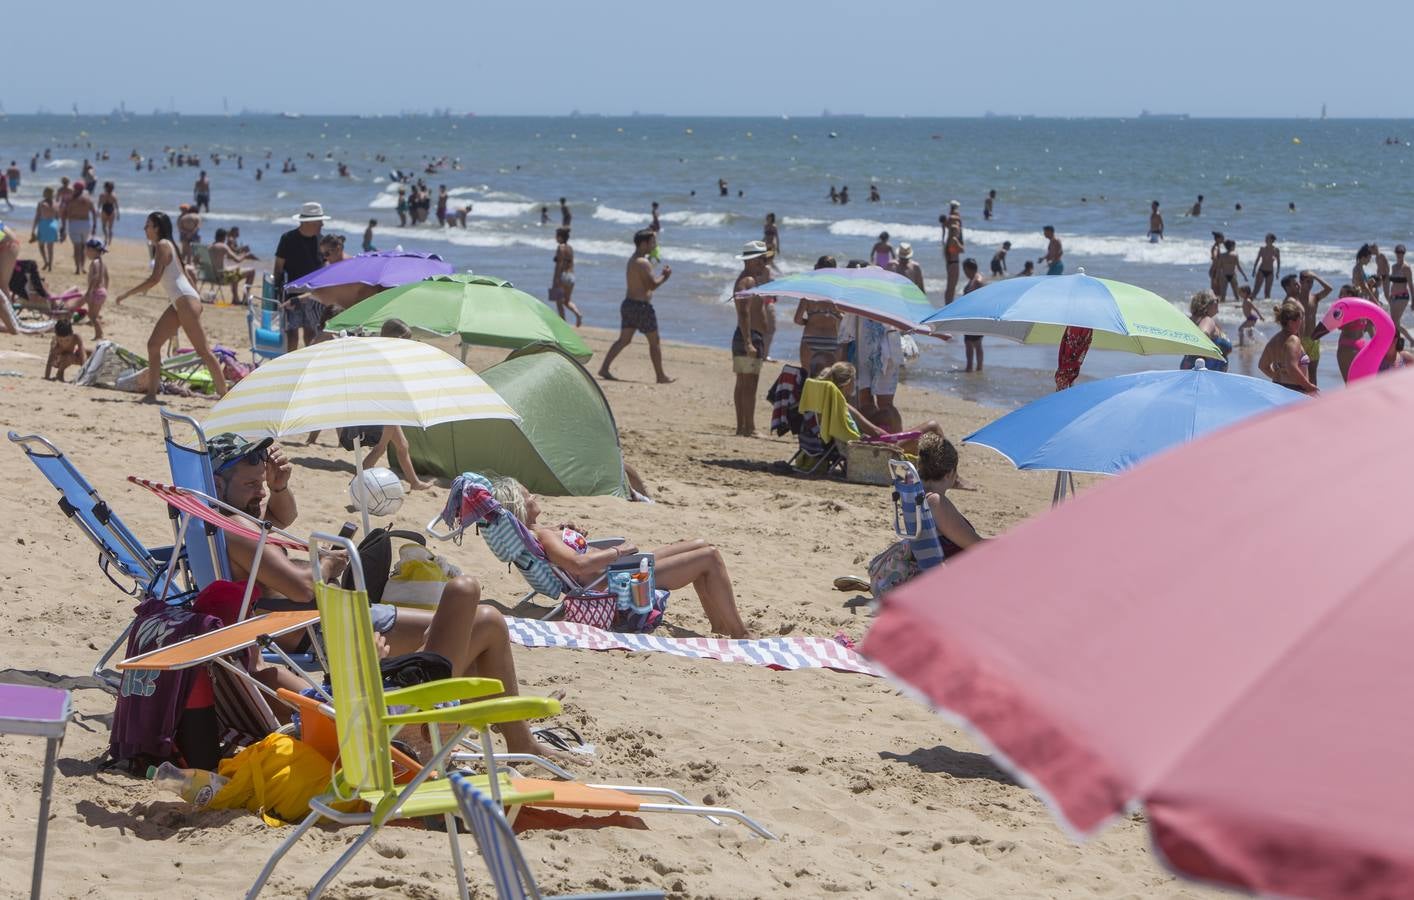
(972, 343)
(953, 247)
(562, 282)
(1054, 252)
(655, 225)
(368, 236)
(108, 211)
(1156, 223)
(772, 235)
(987, 205)
(565, 215)
(1266, 268)
(201, 193)
(1197, 208)
(636, 313)
(1226, 269)
(1399, 279)
(1299, 290)
(882, 253)
(999, 260)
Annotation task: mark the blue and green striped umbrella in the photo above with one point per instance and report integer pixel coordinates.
(870, 292)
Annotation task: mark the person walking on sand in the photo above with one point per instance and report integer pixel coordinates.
(562, 281)
(953, 247)
(1266, 268)
(1156, 223)
(45, 229)
(1054, 252)
(183, 307)
(749, 338)
(636, 313)
(201, 193)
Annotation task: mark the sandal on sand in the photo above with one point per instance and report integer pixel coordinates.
(564, 739)
(851, 583)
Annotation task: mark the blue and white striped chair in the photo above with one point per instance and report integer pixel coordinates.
(501, 852)
(913, 518)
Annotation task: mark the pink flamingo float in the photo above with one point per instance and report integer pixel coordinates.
(1347, 311)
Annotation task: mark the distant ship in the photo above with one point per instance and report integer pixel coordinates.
(1145, 114)
(291, 115)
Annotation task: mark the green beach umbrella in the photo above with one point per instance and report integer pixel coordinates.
(1038, 311)
(483, 310)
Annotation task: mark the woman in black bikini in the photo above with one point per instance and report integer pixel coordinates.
(107, 211)
(1399, 275)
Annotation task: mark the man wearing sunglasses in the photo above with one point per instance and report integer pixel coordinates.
(254, 477)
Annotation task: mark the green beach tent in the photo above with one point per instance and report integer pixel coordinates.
(567, 443)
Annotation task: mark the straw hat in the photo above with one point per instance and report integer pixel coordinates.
(753, 250)
(905, 250)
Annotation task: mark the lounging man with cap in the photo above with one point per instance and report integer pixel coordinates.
(749, 339)
(295, 257)
(636, 313)
(255, 477)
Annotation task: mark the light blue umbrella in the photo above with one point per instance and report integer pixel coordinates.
(1104, 427)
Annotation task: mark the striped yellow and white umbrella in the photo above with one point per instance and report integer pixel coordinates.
(355, 381)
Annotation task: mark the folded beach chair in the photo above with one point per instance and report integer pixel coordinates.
(365, 725)
(265, 320)
(913, 518)
(512, 543)
(121, 555)
(825, 428)
(499, 848)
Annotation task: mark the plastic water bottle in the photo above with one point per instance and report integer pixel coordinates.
(196, 786)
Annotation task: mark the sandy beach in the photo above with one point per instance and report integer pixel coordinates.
(870, 792)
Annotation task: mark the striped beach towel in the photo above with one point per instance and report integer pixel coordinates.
(773, 653)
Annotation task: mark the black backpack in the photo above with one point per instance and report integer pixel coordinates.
(376, 552)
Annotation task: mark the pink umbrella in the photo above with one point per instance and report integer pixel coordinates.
(1223, 634)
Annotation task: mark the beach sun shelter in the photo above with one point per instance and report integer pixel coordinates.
(566, 443)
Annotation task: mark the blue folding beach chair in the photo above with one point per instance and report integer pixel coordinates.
(121, 555)
(504, 861)
(265, 319)
(913, 518)
(205, 544)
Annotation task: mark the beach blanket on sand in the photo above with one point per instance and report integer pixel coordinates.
(773, 653)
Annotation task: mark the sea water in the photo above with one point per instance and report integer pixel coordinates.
(1092, 179)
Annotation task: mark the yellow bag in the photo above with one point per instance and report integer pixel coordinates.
(274, 778)
(419, 578)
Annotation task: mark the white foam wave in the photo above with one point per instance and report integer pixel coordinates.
(803, 222)
(384, 201)
(697, 219)
(620, 216)
(897, 231)
(507, 195)
(61, 164)
(499, 209)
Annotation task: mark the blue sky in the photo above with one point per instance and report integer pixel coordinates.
(1257, 58)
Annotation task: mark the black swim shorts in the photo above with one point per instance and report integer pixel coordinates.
(638, 315)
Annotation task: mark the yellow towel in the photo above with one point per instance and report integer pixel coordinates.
(825, 399)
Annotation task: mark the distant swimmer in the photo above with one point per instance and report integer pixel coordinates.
(402, 206)
(771, 235)
(987, 205)
(655, 225)
(844, 195)
(1226, 268)
(834, 195)
(565, 214)
(636, 313)
(544, 215)
(442, 199)
(368, 236)
(1197, 208)
(722, 187)
(1291, 207)
(1156, 223)
(1027, 270)
(1054, 252)
(201, 192)
(1266, 268)
(953, 247)
(873, 193)
(999, 260)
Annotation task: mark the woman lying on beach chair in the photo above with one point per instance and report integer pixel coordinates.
(675, 566)
(254, 477)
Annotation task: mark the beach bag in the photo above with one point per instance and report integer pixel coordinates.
(593, 608)
(418, 578)
(891, 568)
(274, 778)
(105, 367)
(376, 553)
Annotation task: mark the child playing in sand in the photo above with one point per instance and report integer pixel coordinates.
(1247, 331)
(66, 349)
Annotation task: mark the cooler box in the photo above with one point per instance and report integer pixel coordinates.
(867, 463)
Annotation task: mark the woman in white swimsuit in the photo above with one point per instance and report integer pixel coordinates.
(183, 306)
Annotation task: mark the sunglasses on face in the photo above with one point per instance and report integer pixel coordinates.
(256, 457)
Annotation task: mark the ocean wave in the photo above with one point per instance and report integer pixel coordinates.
(499, 209)
(803, 222)
(61, 164)
(871, 229)
(620, 216)
(686, 218)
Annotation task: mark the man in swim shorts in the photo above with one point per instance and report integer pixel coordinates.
(749, 339)
(1299, 288)
(1156, 223)
(201, 193)
(80, 219)
(1052, 259)
(636, 313)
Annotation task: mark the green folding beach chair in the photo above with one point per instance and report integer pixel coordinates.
(365, 726)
